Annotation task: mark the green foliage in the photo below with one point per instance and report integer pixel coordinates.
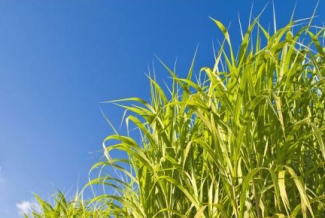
(246, 139)
(63, 208)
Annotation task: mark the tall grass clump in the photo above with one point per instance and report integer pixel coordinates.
(244, 139)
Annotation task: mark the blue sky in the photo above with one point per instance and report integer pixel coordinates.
(59, 59)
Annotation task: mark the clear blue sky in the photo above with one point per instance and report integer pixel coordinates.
(59, 59)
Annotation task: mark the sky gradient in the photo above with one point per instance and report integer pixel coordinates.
(60, 59)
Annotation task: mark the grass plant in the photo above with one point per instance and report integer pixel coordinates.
(244, 139)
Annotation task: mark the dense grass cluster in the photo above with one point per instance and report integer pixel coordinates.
(243, 139)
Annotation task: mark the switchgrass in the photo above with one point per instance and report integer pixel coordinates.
(244, 139)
